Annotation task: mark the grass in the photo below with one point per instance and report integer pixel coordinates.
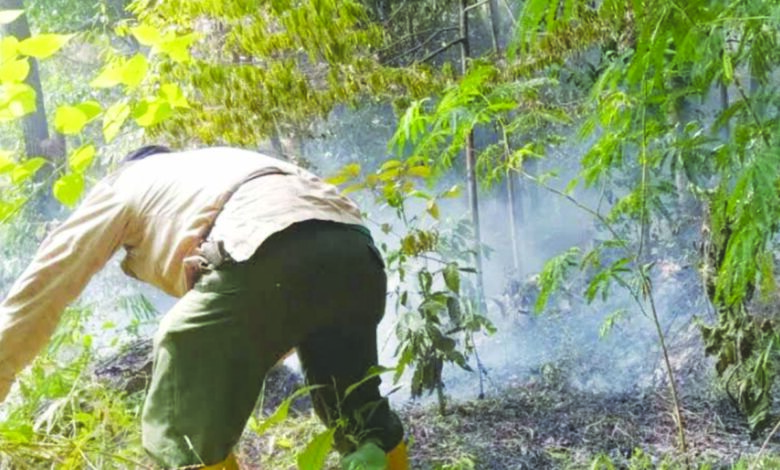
(64, 418)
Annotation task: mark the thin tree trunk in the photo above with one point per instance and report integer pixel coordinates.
(35, 126)
(510, 176)
(724, 105)
(471, 173)
(510, 190)
(493, 8)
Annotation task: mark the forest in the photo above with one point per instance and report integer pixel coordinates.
(577, 202)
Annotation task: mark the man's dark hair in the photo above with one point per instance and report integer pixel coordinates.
(145, 151)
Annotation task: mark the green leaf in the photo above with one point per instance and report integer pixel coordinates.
(26, 170)
(134, 70)
(316, 452)
(367, 457)
(90, 108)
(176, 47)
(571, 186)
(69, 120)
(146, 35)
(150, 112)
(451, 275)
(610, 321)
(6, 162)
(346, 173)
(373, 371)
(554, 272)
(280, 414)
(14, 70)
(419, 171)
(9, 49)
(115, 116)
(451, 193)
(17, 100)
(728, 68)
(433, 209)
(130, 73)
(82, 158)
(390, 165)
(110, 76)
(9, 16)
(68, 188)
(43, 45)
(173, 94)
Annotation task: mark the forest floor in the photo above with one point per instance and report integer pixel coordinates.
(542, 426)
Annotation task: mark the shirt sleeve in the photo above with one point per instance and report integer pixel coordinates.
(60, 270)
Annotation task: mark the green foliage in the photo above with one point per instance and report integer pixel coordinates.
(64, 416)
(653, 61)
(367, 457)
(487, 96)
(554, 272)
(264, 69)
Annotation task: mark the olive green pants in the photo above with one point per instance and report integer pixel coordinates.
(318, 287)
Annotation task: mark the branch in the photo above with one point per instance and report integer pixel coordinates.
(475, 5)
(752, 110)
(422, 44)
(442, 49)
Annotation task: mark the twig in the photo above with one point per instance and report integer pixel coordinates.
(422, 44)
(647, 286)
(766, 443)
(442, 49)
(475, 5)
(480, 369)
(752, 110)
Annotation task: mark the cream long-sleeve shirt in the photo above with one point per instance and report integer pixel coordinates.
(159, 209)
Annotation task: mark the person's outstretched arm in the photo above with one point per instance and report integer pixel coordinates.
(60, 270)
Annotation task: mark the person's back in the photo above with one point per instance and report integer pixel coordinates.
(173, 198)
(265, 256)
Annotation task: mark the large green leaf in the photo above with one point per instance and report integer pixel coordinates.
(452, 277)
(17, 100)
(72, 119)
(68, 188)
(146, 34)
(26, 170)
(90, 108)
(173, 94)
(69, 120)
(129, 72)
(134, 70)
(14, 71)
(176, 47)
(9, 49)
(316, 452)
(367, 457)
(6, 162)
(111, 75)
(115, 116)
(81, 158)
(151, 111)
(43, 45)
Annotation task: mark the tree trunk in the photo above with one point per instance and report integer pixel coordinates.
(511, 197)
(493, 8)
(471, 173)
(35, 126)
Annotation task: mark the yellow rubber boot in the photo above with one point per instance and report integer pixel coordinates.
(397, 458)
(229, 463)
